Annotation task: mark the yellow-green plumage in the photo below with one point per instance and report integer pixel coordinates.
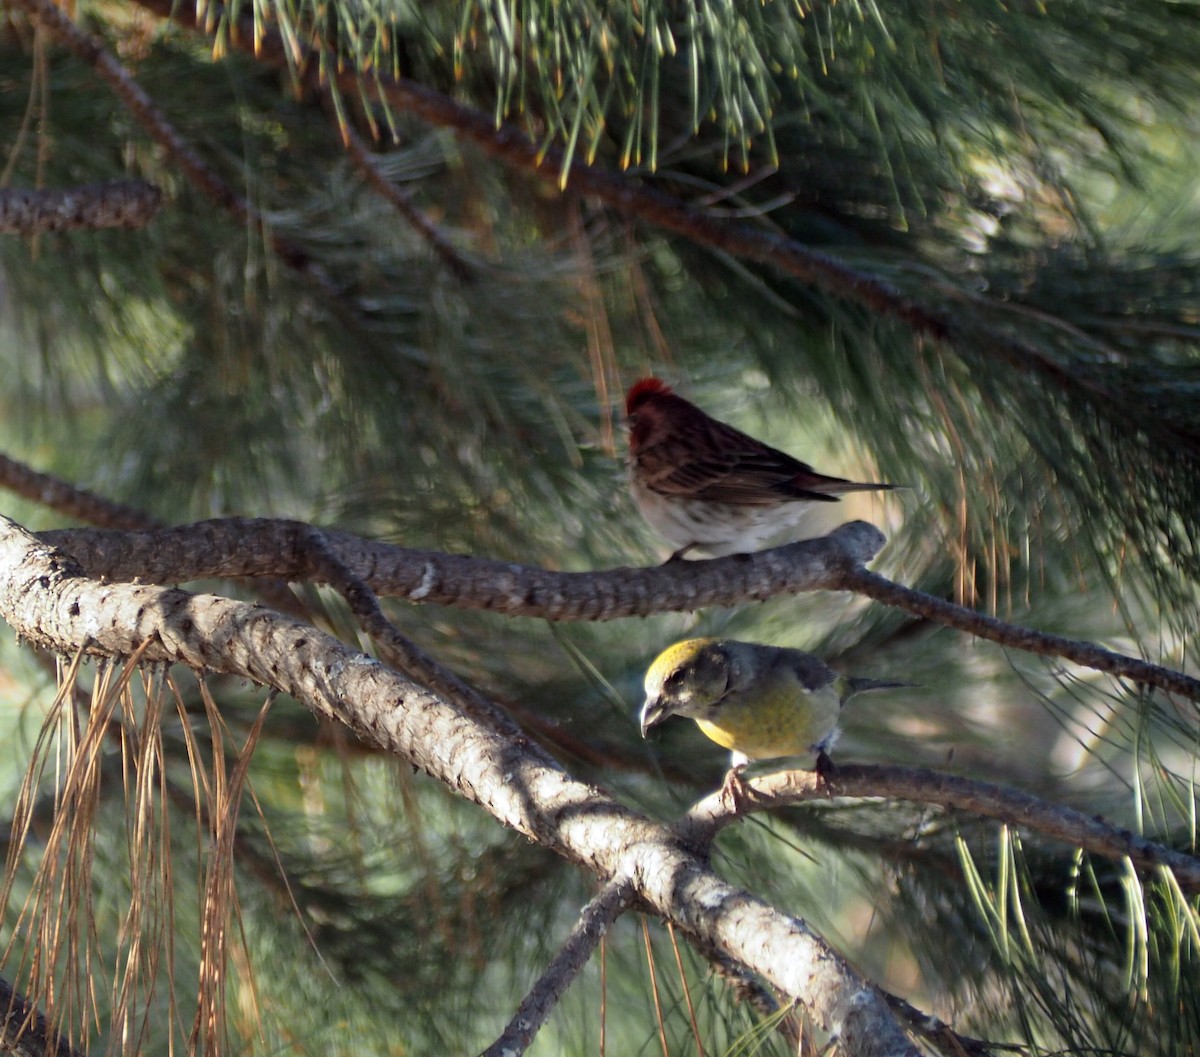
(760, 702)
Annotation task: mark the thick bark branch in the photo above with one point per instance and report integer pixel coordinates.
(25, 1031)
(240, 547)
(1089, 832)
(47, 599)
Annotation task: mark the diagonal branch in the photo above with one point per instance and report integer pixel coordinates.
(403, 204)
(400, 652)
(237, 547)
(71, 500)
(47, 599)
(1089, 832)
(84, 505)
(594, 920)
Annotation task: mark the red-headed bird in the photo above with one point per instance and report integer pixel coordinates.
(705, 486)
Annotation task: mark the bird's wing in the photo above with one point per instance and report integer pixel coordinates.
(725, 465)
(808, 673)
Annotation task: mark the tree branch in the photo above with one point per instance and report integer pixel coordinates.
(80, 503)
(116, 204)
(399, 651)
(71, 500)
(944, 1037)
(864, 582)
(368, 165)
(238, 547)
(25, 1031)
(47, 599)
(1089, 832)
(594, 920)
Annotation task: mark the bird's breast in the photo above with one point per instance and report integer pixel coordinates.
(788, 725)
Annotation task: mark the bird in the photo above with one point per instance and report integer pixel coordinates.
(707, 487)
(761, 702)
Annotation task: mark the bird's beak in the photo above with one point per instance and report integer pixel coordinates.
(653, 713)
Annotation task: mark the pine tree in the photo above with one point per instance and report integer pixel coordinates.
(387, 270)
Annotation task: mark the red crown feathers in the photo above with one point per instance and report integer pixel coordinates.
(642, 390)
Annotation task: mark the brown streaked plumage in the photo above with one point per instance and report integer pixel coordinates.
(704, 485)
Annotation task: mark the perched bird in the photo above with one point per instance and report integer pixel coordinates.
(760, 702)
(706, 486)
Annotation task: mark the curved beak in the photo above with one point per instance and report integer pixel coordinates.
(653, 712)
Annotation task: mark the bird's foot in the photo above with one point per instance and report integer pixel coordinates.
(825, 768)
(679, 554)
(735, 793)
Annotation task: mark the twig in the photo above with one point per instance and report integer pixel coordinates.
(537, 1005)
(116, 204)
(872, 585)
(241, 547)
(1090, 832)
(402, 203)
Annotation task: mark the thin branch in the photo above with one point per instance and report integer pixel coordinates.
(47, 599)
(70, 500)
(240, 547)
(399, 651)
(594, 921)
(747, 988)
(368, 165)
(1089, 832)
(116, 204)
(872, 585)
(944, 1037)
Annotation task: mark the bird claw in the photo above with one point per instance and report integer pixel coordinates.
(735, 793)
(825, 768)
(679, 554)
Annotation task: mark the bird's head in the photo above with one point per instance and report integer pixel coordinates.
(643, 390)
(650, 407)
(687, 679)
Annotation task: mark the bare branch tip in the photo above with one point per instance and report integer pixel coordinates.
(860, 541)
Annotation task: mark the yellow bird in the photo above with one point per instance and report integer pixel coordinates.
(760, 702)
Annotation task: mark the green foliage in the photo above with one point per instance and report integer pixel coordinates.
(1021, 173)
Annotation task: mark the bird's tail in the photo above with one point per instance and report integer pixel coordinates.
(841, 487)
(851, 685)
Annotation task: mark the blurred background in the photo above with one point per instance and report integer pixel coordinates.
(449, 374)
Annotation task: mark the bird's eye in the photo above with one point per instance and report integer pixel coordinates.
(675, 680)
